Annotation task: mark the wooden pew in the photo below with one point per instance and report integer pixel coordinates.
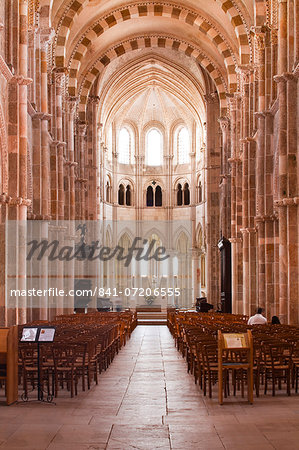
(9, 360)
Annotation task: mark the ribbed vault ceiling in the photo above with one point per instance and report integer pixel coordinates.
(150, 88)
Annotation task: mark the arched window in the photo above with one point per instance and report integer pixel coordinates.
(183, 194)
(183, 146)
(199, 192)
(149, 196)
(121, 195)
(154, 196)
(158, 196)
(124, 146)
(179, 195)
(154, 148)
(128, 195)
(108, 191)
(186, 194)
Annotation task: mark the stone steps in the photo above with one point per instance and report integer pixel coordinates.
(151, 318)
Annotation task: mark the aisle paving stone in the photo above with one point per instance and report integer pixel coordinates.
(147, 400)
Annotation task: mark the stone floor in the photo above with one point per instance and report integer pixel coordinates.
(146, 400)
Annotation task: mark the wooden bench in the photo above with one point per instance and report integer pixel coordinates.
(9, 362)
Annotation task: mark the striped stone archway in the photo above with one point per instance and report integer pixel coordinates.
(150, 41)
(135, 10)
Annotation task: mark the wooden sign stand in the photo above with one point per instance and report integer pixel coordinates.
(9, 358)
(238, 349)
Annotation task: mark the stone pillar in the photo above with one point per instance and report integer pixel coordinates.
(4, 199)
(93, 167)
(283, 189)
(244, 82)
(196, 273)
(72, 104)
(236, 250)
(282, 36)
(293, 197)
(100, 183)
(225, 209)
(233, 239)
(81, 180)
(59, 81)
(253, 289)
(260, 207)
(213, 198)
(260, 162)
(45, 37)
(13, 170)
(269, 224)
(70, 208)
(22, 201)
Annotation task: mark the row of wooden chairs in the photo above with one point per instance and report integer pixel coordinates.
(276, 351)
(84, 346)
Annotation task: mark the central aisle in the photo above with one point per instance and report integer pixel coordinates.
(146, 400)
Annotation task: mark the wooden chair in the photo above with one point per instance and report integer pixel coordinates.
(64, 357)
(209, 366)
(278, 365)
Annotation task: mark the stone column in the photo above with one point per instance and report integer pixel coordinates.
(70, 210)
(22, 201)
(196, 273)
(4, 199)
(245, 73)
(282, 36)
(81, 180)
(260, 208)
(282, 211)
(100, 182)
(72, 104)
(253, 293)
(12, 189)
(233, 239)
(293, 197)
(45, 37)
(93, 178)
(269, 224)
(213, 198)
(236, 249)
(59, 82)
(260, 162)
(225, 178)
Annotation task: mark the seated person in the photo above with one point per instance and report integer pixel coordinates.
(275, 321)
(202, 305)
(258, 318)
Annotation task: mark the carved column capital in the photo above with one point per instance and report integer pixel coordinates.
(18, 201)
(235, 240)
(72, 103)
(20, 80)
(224, 123)
(94, 99)
(279, 79)
(4, 198)
(46, 36)
(211, 98)
(59, 74)
(82, 128)
(245, 70)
